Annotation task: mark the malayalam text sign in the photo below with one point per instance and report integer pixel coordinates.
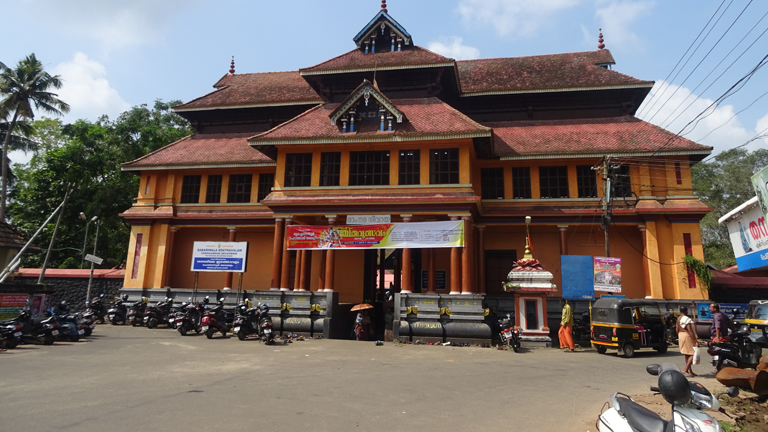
(219, 257)
(607, 274)
(12, 304)
(379, 236)
(749, 239)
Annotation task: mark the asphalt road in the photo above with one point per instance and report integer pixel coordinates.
(129, 379)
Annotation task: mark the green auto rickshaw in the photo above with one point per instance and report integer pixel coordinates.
(627, 325)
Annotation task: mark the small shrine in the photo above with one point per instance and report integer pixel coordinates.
(530, 283)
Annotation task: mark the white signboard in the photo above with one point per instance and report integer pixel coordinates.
(219, 257)
(368, 219)
(94, 259)
(749, 239)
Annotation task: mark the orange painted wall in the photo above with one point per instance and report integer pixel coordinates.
(181, 276)
(258, 272)
(349, 275)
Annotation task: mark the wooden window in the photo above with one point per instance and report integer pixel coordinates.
(298, 170)
(688, 245)
(190, 189)
(553, 182)
(266, 181)
(369, 168)
(492, 183)
(213, 191)
(621, 185)
(410, 167)
(330, 169)
(240, 188)
(497, 266)
(678, 173)
(444, 166)
(521, 183)
(586, 179)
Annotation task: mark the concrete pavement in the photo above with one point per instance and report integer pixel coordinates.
(128, 379)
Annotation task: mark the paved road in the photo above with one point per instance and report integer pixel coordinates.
(129, 379)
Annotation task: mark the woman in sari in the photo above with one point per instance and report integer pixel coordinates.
(687, 339)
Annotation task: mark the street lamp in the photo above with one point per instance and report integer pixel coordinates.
(85, 240)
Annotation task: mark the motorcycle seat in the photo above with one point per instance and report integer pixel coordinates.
(641, 418)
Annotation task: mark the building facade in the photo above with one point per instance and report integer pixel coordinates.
(390, 128)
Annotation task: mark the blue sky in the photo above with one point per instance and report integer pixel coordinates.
(113, 55)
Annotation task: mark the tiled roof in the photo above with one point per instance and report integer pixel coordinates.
(11, 238)
(358, 61)
(620, 135)
(202, 151)
(256, 89)
(427, 117)
(544, 72)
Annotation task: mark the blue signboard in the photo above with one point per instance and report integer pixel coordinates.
(578, 277)
(734, 311)
(219, 257)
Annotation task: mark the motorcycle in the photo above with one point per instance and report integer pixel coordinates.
(247, 321)
(265, 325)
(97, 309)
(11, 335)
(34, 330)
(154, 315)
(509, 334)
(136, 312)
(118, 312)
(688, 401)
(69, 327)
(741, 352)
(188, 318)
(215, 319)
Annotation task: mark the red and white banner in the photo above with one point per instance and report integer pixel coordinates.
(381, 236)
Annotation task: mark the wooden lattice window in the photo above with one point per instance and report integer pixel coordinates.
(521, 183)
(266, 181)
(213, 191)
(330, 169)
(190, 189)
(553, 182)
(369, 168)
(492, 183)
(410, 167)
(240, 188)
(298, 169)
(586, 180)
(444, 166)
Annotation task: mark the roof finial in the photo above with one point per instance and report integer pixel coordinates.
(384, 6)
(232, 66)
(600, 45)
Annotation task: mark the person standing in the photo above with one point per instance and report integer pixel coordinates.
(720, 324)
(565, 334)
(687, 339)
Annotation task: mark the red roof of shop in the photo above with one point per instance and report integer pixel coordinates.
(203, 150)
(586, 136)
(578, 70)
(256, 89)
(730, 280)
(425, 117)
(357, 60)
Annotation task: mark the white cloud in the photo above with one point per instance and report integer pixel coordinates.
(616, 18)
(518, 17)
(720, 129)
(454, 48)
(87, 90)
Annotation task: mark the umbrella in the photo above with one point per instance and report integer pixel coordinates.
(361, 306)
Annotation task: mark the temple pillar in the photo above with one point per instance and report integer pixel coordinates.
(298, 271)
(407, 282)
(306, 269)
(455, 267)
(563, 239)
(481, 257)
(321, 273)
(228, 275)
(329, 260)
(277, 255)
(285, 273)
(430, 271)
(466, 258)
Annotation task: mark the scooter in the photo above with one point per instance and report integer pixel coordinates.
(11, 335)
(136, 312)
(157, 314)
(265, 325)
(740, 353)
(215, 319)
(69, 329)
(188, 318)
(35, 330)
(247, 321)
(510, 336)
(97, 309)
(118, 312)
(687, 400)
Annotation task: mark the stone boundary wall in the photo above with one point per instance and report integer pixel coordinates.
(73, 289)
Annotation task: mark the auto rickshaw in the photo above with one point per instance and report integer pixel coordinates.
(757, 320)
(627, 325)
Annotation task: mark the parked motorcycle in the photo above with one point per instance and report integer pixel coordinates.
(34, 330)
(136, 312)
(741, 352)
(265, 325)
(189, 318)
(247, 320)
(509, 334)
(69, 327)
(157, 314)
(688, 401)
(118, 312)
(11, 335)
(97, 308)
(215, 319)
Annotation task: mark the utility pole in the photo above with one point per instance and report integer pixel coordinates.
(90, 279)
(53, 237)
(607, 204)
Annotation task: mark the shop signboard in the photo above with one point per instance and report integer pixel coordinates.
(368, 219)
(607, 274)
(578, 280)
(734, 311)
(378, 236)
(760, 184)
(12, 304)
(749, 238)
(219, 257)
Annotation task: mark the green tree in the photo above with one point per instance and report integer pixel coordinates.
(724, 184)
(22, 88)
(88, 155)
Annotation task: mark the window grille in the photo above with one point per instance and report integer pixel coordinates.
(621, 185)
(492, 183)
(213, 191)
(240, 188)
(266, 181)
(190, 189)
(553, 182)
(369, 168)
(410, 167)
(586, 179)
(521, 183)
(444, 166)
(330, 169)
(298, 170)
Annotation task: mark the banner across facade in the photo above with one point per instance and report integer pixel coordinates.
(412, 235)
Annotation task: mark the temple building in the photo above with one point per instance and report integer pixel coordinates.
(394, 130)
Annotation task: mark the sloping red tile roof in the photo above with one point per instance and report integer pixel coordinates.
(357, 60)
(202, 150)
(11, 238)
(586, 136)
(425, 117)
(256, 89)
(543, 72)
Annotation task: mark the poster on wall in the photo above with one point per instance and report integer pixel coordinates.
(379, 236)
(607, 274)
(39, 305)
(760, 184)
(12, 304)
(578, 278)
(749, 239)
(219, 257)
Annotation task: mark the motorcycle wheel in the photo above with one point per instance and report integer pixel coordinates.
(183, 330)
(74, 338)
(628, 350)
(88, 331)
(223, 334)
(601, 349)
(48, 339)
(662, 349)
(241, 335)
(10, 344)
(152, 323)
(516, 346)
(198, 329)
(209, 333)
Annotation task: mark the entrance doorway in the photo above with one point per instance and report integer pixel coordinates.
(498, 263)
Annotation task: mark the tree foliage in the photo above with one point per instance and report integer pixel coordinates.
(88, 156)
(724, 184)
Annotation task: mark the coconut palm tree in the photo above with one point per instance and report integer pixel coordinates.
(21, 88)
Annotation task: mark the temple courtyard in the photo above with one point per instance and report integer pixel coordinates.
(128, 379)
